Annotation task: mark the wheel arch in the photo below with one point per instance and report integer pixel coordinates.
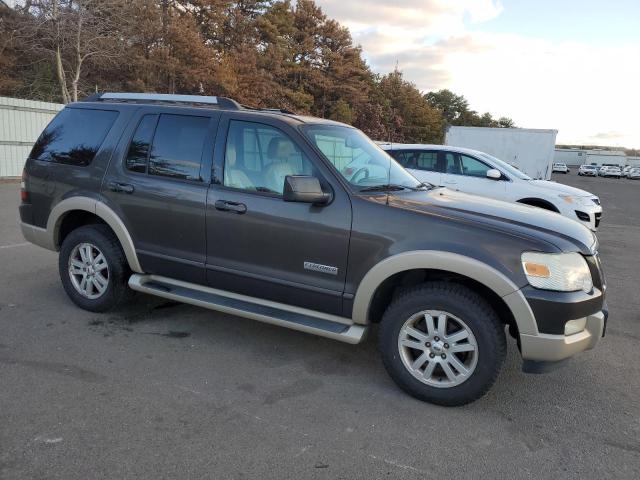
(104, 214)
(540, 203)
(503, 295)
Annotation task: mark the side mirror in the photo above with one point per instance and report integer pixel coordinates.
(494, 174)
(304, 189)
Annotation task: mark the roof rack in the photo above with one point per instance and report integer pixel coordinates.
(221, 102)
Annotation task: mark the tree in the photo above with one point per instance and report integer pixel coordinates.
(410, 118)
(452, 106)
(455, 109)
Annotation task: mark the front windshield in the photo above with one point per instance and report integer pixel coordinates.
(510, 169)
(359, 160)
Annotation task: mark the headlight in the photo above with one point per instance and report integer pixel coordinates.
(586, 201)
(563, 272)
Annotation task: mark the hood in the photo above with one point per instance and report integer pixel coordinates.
(512, 218)
(560, 188)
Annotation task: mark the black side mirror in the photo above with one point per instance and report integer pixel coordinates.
(304, 189)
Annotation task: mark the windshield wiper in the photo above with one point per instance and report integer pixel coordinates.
(384, 188)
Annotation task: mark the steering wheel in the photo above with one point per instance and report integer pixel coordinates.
(365, 174)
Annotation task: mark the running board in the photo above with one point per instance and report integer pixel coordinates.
(296, 318)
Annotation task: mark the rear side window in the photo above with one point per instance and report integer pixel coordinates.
(417, 160)
(138, 154)
(177, 147)
(74, 136)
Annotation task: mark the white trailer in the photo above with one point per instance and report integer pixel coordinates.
(21, 122)
(530, 150)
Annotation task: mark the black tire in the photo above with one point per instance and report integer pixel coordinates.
(117, 291)
(468, 306)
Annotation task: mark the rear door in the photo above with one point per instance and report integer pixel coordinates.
(423, 164)
(260, 245)
(158, 185)
(468, 174)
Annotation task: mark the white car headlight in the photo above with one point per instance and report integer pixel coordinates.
(585, 201)
(563, 272)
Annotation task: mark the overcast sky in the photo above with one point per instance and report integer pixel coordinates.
(571, 65)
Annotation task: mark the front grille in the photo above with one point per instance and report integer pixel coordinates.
(598, 217)
(583, 216)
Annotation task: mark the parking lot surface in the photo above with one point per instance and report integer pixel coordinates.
(162, 390)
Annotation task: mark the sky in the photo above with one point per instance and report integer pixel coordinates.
(568, 65)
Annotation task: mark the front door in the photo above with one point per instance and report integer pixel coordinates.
(158, 184)
(469, 175)
(260, 245)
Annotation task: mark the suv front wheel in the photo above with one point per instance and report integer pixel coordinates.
(93, 268)
(442, 342)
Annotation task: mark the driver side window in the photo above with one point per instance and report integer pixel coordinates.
(259, 157)
(472, 167)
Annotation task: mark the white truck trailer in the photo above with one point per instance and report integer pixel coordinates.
(530, 150)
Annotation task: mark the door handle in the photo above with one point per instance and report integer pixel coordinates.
(120, 187)
(226, 206)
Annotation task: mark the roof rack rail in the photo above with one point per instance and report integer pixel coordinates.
(221, 102)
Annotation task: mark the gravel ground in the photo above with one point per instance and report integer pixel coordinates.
(162, 390)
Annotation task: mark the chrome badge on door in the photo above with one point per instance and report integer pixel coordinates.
(316, 267)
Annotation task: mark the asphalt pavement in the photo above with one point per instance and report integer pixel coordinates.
(162, 390)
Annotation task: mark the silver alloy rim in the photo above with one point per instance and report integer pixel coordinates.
(438, 348)
(88, 270)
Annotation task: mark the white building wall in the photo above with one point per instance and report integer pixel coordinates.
(633, 161)
(21, 122)
(606, 157)
(570, 156)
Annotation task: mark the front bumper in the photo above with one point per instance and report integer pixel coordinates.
(546, 347)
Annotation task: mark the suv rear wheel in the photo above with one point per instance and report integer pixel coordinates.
(442, 343)
(93, 268)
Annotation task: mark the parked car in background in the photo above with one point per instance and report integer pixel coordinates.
(634, 173)
(627, 169)
(479, 173)
(588, 170)
(560, 168)
(611, 171)
(257, 213)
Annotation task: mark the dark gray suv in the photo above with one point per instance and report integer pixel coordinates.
(258, 213)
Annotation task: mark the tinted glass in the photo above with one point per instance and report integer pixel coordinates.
(452, 163)
(418, 160)
(177, 146)
(259, 157)
(74, 136)
(138, 153)
(473, 168)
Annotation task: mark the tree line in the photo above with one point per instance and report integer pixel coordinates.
(262, 53)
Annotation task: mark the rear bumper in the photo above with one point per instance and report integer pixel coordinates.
(545, 347)
(38, 236)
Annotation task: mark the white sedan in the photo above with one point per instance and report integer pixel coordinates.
(588, 170)
(560, 168)
(476, 172)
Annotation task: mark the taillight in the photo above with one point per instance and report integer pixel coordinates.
(24, 193)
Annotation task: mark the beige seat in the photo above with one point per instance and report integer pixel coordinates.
(234, 177)
(279, 152)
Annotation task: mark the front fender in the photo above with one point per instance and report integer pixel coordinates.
(448, 262)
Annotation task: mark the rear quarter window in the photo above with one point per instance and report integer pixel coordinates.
(74, 136)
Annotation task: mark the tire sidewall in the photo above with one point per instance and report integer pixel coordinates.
(490, 351)
(98, 237)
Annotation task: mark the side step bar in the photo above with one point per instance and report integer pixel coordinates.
(296, 318)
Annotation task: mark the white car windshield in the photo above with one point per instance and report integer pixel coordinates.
(359, 160)
(513, 171)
